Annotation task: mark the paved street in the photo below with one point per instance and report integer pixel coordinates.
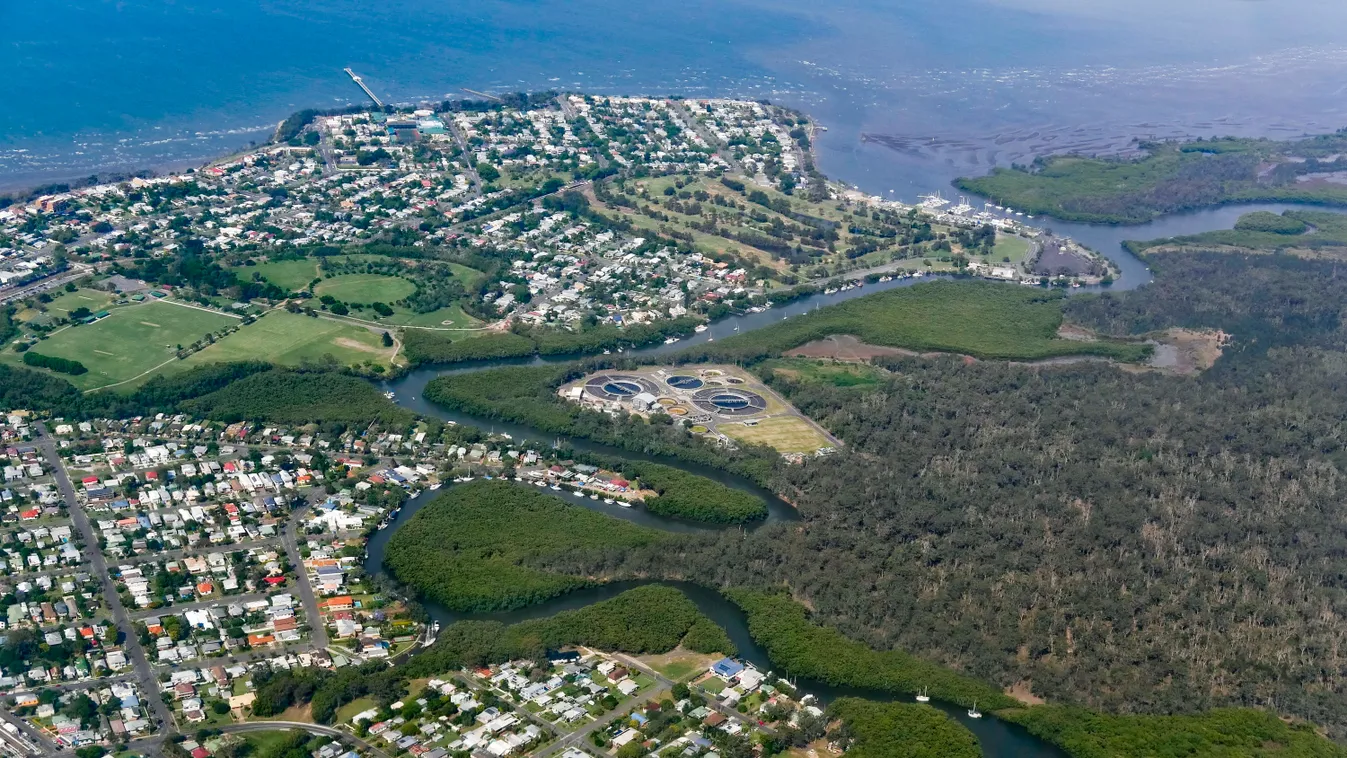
(149, 685)
(288, 539)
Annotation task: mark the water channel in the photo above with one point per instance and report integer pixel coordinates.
(998, 739)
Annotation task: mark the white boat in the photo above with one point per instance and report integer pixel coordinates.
(974, 713)
(435, 486)
(593, 496)
(607, 352)
(608, 500)
(699, 328)
(467, 479)
(541, 484)
(556, 487)
(922, 697)
(626, 503)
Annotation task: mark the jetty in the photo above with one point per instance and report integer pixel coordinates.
(361, 83)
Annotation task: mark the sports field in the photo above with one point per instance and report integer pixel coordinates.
(1010, 246)
(130, 341)
(788, 434)
(289, 339)
(452, 317)
(94, 300)
(365, 288)
(288, 275)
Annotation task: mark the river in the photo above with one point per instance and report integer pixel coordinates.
(997, 738)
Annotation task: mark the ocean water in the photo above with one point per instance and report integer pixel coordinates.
(913, 93)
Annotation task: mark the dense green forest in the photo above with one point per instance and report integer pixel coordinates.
(425, 347)
(251, 390)
(39, 391)
(802, 648)
(1320, 233)
(983, 319)
(1133, 542)
(527, 395)
(899, 730)
(59, 365)
(1171, 177)
(466, 549)
(689, 496)
(1219, 733)
(299, 397)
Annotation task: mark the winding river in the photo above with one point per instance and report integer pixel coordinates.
(998, 739)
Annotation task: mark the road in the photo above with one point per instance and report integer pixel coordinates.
(316, 625)
(722, 149)
(268, 726)
(76, 271)
(149, 684)
(86, 684)
(202, 550)
(177, 609)
(580, 737)
(666, 682)
(29, 740)
(151, 745)
(463, 145)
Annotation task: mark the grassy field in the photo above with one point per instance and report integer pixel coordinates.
(346, 712)
(94, 300)
(830, 372)
(787, 434)
(365, 288)
(468, 275)
(1009, 246)
(289, 339)
(129, 342)
(452, 317)
(288, 275)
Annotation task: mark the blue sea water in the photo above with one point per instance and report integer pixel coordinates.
(913, 93)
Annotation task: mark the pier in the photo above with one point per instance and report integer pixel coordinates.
(482, 94)
(361, 83)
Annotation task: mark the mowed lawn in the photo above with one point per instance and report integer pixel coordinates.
(289, 339)
(452, 317)
(130, 341)
(365, 288)
(1010, 246)
(288, 275)
(787, 434)
(94, 300)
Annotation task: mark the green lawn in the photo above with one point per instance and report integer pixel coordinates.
(469, 276)
(288, 275)
(365, 288)
(129, 342)
(348, 711)
(824, 371)
(452, 317)
(1009, 246)
(94, 300)
(288, 339)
